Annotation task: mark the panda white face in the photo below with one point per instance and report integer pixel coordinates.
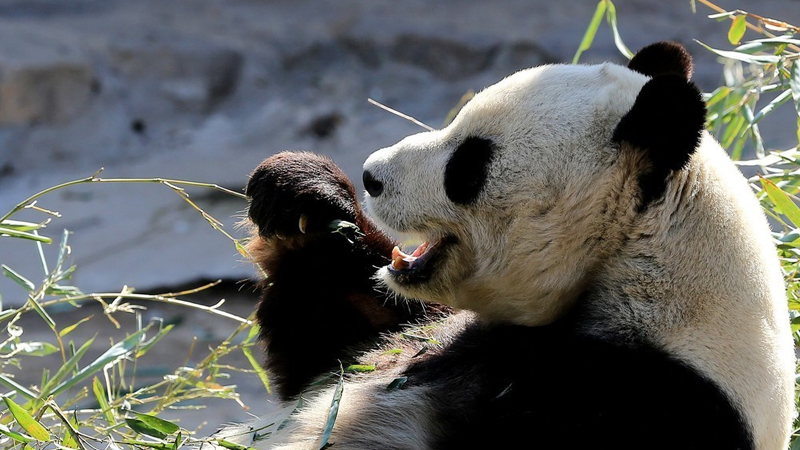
(528, 161)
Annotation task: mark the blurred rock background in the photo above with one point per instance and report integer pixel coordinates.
(205, 89)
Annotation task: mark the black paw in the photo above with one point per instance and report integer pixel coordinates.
(293, 194)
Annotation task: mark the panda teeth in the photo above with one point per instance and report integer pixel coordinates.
(404, 261)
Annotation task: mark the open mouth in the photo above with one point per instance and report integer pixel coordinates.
(419, 265)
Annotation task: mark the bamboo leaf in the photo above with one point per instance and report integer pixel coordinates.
(777, 101)
(66, 368)
(783, 204)
(30, 348)
(17, 278)
(738, 27)
(611, 18)
(26, 421)
(332, 413)
(100, 395)
(11, 384)
(262, 374)
(397, 383)
(146, 444)
(19, 437)
(142, 427)
(63, 290)
(115, 353)
(232, 445)
(157, 423)
(69, 329)
(794, 85)
(591, 31)
(360, 368)
(19, 225)
(42, 313)
(10, 232)
(750, 59)
(145, 346)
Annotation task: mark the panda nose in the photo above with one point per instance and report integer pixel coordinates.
(373, 186)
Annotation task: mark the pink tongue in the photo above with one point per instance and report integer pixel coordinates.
(401, 260)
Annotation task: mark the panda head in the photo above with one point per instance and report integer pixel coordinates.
(521, 199)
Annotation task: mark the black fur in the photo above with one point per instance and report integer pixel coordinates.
(289, 184)
(467, 169)
(373, 186)
(666, 122)
(319, 303)
(552, 388)
(662, 58)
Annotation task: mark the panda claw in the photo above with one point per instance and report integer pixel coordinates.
(302, 223)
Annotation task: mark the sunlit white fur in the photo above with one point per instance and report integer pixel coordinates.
(558, 217)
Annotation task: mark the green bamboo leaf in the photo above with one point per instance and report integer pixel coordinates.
(795, 445)
(738, 27)
(19, 437)
(764, 45)
(591, 31)
(722, 15)
(115, 353)
(146, 444)
(750, 59)
(69, 329)
(794, 85)
(611, 18)
(62, 291)
(66, 368)
(142, 427)
(19, 225)
(231, 445)
(252, 333)
(783, 204)
(777, 101)
(145, 346)
(10, 232)
(100, 395)
(11, 384)
(332, 413)
(63, 250)
(69, 440)
(42, 313)
(177, 443)
(17, 278)
(30, 348)
(157, 423)
(360, 368)
(26, 421)
(397, 383)
(262, 374)
(719, 94)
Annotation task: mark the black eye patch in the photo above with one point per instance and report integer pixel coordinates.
(467, 170)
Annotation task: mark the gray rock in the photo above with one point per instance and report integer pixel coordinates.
(49, 95)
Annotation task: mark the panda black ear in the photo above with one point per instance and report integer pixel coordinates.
(666, 122)
(662, 58)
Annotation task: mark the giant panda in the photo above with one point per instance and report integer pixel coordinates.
(592, 272)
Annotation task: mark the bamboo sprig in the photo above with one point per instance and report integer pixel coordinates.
(96, 179)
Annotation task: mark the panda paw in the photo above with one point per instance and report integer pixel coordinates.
(294, 194)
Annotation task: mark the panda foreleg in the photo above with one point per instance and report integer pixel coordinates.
(319, 252)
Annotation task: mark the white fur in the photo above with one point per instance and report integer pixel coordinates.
(557, 217)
